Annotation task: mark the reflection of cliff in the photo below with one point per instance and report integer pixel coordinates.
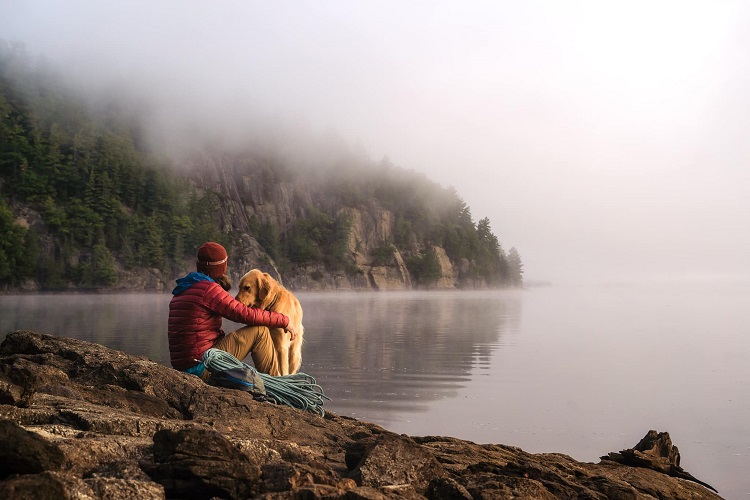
(400, 348)
(369, 350)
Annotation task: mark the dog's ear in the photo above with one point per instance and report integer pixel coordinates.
(264, 286)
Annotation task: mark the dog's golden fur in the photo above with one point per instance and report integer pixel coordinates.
(259, 289)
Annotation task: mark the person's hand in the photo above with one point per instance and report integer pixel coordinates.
(292, 331)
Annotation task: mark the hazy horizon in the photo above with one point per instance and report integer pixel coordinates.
(604, 140)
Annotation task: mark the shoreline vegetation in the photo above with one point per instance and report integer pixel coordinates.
(79, 419)
(89, 199)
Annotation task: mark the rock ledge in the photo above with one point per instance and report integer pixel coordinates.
(79, 420)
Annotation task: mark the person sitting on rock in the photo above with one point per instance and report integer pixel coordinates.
(200, 301)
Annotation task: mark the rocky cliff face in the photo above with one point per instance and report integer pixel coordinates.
(78, 420)
(252, 191)
(370, 229)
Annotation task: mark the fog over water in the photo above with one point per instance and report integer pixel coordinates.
(580, 370)
(606, 141)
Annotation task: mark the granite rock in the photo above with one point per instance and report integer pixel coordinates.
(79, 420)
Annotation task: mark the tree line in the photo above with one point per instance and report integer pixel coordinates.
(103, 200)
(108, 202)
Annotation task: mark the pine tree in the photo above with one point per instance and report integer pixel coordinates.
(515, 268)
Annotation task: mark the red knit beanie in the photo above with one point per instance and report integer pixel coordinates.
(212, 259)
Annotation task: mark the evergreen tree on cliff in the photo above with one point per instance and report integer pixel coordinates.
(515, 268)
(83, 204)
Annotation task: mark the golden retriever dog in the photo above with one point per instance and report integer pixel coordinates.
(259, 289)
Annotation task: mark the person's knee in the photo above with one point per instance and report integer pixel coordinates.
(264, 332)
(251, 333)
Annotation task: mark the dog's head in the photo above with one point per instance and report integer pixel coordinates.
(257, 289)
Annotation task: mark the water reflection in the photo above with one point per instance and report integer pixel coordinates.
(374, 353)
(380, 353)
(133, 323)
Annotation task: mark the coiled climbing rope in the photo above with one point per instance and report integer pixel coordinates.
(298, 391)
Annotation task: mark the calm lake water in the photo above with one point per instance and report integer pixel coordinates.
(581, 371)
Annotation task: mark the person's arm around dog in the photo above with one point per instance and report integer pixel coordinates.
(219, 301)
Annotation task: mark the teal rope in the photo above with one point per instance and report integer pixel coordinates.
(298, 391)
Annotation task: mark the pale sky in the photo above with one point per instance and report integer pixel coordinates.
(605, 140)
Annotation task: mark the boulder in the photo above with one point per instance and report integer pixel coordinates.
(25, 452)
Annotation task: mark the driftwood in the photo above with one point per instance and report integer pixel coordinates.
(655, 451)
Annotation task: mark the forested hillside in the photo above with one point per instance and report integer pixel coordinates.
(88, 203)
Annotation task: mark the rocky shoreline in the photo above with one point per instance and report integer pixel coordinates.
(80, 421)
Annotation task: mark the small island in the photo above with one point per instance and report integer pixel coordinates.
(79, 420)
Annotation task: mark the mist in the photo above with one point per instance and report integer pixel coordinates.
(606, 141)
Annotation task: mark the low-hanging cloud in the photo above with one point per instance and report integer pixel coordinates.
(605, 140)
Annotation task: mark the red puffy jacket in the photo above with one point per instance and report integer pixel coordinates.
(195, 320)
